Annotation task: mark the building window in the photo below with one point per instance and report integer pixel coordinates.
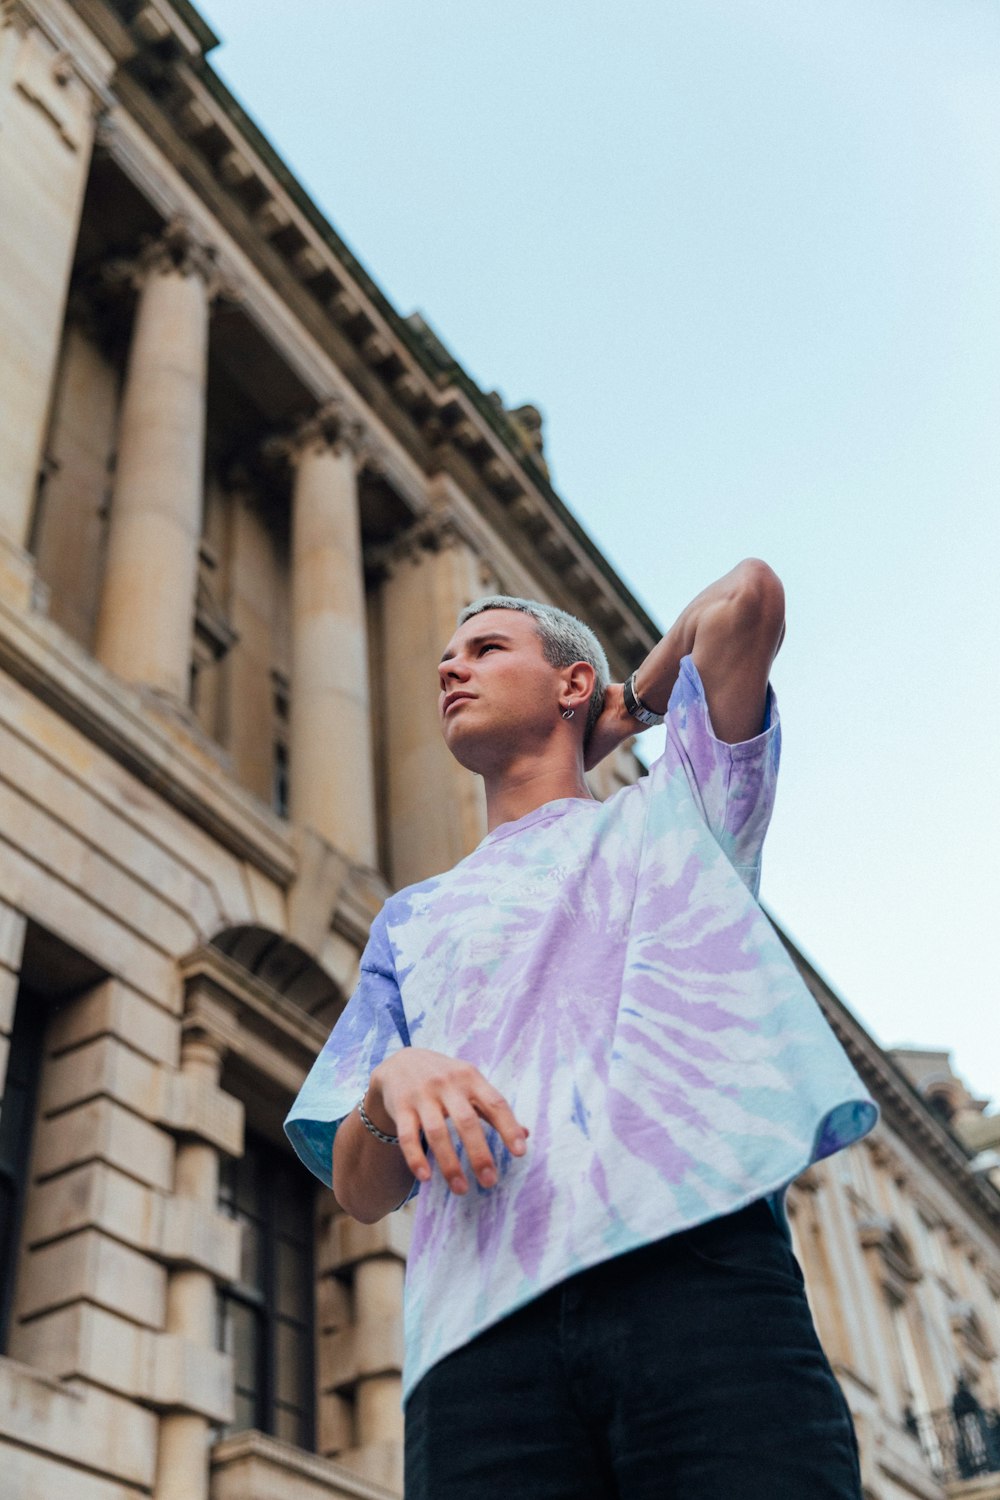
(279, 785)
(266, 1319)
(17, 1113)
(280, 768)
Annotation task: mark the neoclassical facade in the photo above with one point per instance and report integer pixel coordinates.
(241, 503)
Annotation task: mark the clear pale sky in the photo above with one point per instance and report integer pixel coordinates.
(745, 256)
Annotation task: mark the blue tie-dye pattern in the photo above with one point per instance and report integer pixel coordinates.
(607, 968)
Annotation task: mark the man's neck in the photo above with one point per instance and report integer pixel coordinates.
(516, 792)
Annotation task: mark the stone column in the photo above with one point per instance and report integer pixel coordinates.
(361, 1360)
(48, 101)
(147, 604)
(436, 808)
(182, 1461)
(332, 784)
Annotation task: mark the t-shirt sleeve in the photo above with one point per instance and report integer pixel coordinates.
(371, 1028)
(733, 785)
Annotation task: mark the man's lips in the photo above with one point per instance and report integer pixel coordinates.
(454, 698)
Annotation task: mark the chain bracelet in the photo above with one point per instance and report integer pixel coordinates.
(390, 1140)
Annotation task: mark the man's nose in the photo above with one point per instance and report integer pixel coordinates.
(453, 670)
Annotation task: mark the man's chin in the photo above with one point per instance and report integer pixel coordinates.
(471, 749)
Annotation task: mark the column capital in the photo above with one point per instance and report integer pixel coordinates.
(179, 250)
(330, 428)
(436, 531)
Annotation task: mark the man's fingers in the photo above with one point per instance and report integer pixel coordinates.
(408, 1130)
(470, 1130)
(440, 1142)
(494, 1107)
(469, 1098)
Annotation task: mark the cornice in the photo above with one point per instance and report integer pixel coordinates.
(433, 400)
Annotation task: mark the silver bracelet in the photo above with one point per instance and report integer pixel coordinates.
(390, 1140)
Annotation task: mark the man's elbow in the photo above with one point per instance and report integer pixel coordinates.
(759, 598)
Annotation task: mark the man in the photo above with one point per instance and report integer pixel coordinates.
(587, 1054)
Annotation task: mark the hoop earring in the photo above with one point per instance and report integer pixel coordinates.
(568, 713)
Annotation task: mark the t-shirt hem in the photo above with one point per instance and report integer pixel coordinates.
(779, 1185)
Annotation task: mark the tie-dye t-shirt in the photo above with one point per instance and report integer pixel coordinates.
(607, 967)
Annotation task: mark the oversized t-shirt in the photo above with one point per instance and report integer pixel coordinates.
(606, 966)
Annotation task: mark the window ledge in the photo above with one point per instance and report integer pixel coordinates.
(251, 1466)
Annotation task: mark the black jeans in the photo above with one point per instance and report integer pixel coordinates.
(686, 1370)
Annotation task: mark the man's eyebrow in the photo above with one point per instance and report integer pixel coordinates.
(478, 640)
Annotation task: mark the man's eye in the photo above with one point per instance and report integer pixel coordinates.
(489, 646)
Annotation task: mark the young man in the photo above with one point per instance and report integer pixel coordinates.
(587, 1054)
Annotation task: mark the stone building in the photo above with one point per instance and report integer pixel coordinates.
(241, 501)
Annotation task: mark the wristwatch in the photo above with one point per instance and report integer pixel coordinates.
(637, 708)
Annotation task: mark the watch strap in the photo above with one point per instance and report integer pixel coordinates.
(636, 707)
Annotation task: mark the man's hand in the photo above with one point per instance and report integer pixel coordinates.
(614, 726)
(418, 1089)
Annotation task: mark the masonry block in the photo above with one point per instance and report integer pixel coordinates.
(372, 1347)
(88, 1343)
(103, 1066)
(81, 1423)
(347, 1240)
(186, 1377)
(33, 1476)
(333, 1303)
(193, 1235)
(91, 1267)
(160, 1369)
(334, 1423)
(192, 1106)
(104, 1131)
(94, 1196)
(112, 1009)
(380, 1463)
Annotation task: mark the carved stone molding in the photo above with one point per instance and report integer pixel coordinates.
(332, 428)
(178, 250)
(67, 57)
(434, 532)
(898, 1263)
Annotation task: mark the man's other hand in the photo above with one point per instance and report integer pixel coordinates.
(419, 1089)
(613, 728)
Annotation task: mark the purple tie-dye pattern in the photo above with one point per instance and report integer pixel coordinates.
(607, 968)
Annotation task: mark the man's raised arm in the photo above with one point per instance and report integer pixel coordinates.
(733, 630)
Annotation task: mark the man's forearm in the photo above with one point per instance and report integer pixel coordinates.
(370, 1177)
(655, 678)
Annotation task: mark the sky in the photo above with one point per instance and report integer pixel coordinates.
(744, 256)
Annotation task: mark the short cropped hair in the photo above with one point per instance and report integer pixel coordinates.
(564, 638)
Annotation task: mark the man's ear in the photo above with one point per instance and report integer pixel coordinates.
(580, 679)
